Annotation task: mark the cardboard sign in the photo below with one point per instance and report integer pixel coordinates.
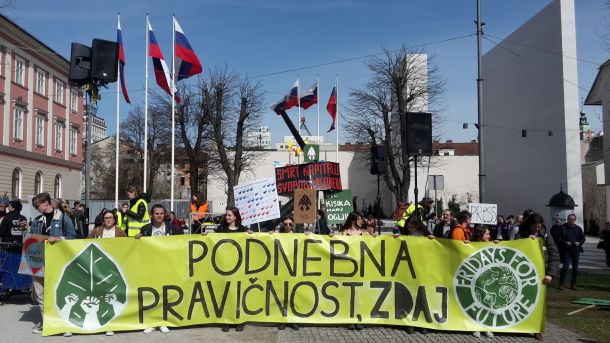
(305, 206)
(32, 256)
(338, 206)
(486, 214)
(320, 176)
(257, 201)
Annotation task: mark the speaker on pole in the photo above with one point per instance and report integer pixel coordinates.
(80, 65)
(416, 133)
(104, 62)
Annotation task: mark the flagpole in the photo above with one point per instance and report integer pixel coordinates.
(146, 108)
(337, 85)
(318, 103)
(299, 101)
(116, 150)
(171, 206)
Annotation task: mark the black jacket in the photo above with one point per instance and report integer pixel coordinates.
(10, 230)
(438, 229)
(170, 229)
(223, 228)
(572, 235)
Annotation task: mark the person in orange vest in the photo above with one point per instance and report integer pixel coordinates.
(200, 206)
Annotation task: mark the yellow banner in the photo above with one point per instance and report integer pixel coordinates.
(127, 284)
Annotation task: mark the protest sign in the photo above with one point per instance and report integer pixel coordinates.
(32, 256)
(338, 206)
(318, 176)
(93, 285)
(486, 214)
(257, 201)
(304, 206)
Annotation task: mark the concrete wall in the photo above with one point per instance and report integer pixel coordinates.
(526, 87)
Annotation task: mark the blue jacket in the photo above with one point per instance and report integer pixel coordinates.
(61, 226)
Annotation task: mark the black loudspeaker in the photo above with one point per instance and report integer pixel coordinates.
(104, 61)
(416, 133)
(80, 65)
(379, 160)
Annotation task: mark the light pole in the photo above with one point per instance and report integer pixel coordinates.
(480, 104)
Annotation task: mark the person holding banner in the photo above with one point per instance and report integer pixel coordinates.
(353, 226)
(231, 222)
(56, 225)
(422, 209)
(533, 227)
(287, 227)
(159, 226)
(444, 227)
(462, 231)
(108, 228)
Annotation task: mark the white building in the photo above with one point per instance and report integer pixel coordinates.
(289, 140)
(99, 130)
(260, 139)
(531, 114)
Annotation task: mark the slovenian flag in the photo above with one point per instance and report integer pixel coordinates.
(187, 63)
(288, 101)
(331, 107)
(119, 40)
(161, 71)
(309, 97)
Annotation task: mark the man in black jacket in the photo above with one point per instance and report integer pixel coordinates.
(159, 225)
(12, 225)
(444, 227)
(571, 239)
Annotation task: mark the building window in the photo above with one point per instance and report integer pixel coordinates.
(40, 131)
(38, 183)
(73, 145)
(59, 134)
(74, 100)
(18, 123)
(57, 187)
(59, 92)
(41, 83)
(20, 71)
(16, 185)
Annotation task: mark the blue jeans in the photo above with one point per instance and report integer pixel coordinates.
(570, 257)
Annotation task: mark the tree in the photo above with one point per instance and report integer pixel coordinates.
(402, 81)
(192, 131)
(158, 141)
(232, 105)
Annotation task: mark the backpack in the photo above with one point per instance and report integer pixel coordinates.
(398, 211)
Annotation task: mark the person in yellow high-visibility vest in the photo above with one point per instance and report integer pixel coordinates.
(121, 221)
(423, 207)
(137, 214)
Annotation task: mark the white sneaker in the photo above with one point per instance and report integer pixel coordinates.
(148, 330)
(489, 334)
(37, 329)
(68, 334)
(163, 329)
(109, 333)
(476, 334)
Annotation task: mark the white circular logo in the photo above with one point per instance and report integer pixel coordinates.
(497, 286)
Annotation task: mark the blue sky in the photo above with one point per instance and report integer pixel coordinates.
(257, 37)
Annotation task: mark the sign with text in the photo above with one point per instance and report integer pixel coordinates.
(318, 176)
(305, 206)
(338, 206)
(91, 285)
(32, 256)
(486, 214)
(257, 201)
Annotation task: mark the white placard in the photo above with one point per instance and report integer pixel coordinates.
(257, 201)
(486, 214)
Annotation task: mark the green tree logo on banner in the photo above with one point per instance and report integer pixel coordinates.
(497, 287)
(92, 290)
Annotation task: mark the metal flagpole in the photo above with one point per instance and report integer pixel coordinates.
(337, 118)
(171, 206)
(299, 102)
(318, 103)
(116, 150)
(146, 108)
(480, 105)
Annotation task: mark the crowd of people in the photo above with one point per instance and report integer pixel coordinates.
(562, 243)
